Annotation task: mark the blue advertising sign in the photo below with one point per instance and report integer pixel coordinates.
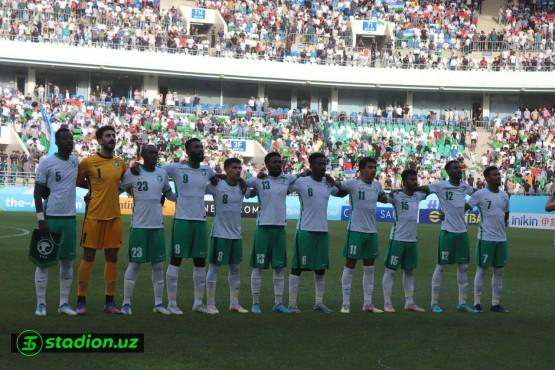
(198, 13)
(238, 145)
(370, 26)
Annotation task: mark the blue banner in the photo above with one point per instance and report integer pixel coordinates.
(198, 13)
(370, 26)
(238, 145)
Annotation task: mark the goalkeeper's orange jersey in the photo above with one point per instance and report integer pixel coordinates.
(103, 176)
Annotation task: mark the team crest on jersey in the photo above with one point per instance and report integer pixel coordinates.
(116, 163)
(204, 172)
(160, 178)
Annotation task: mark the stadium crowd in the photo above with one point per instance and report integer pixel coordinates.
(522, 145)
(302, 32)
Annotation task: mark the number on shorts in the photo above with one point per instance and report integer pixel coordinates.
(394, 260)
(136, 252)
(310, 192)
(220, 256)
(177, 248)
(260, 258)
(444, 255)
(353, 249)
(484, 258)
(303, 260)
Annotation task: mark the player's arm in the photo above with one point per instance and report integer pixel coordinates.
(82, 175)
(550, 205)
(382, 197)
(424, 189)
(37, 194)
(167, 191)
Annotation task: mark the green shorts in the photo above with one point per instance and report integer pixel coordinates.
(225, 251)
(490, 253)
(310, 250)
(361, 246)
(402, 254)
(453, 248)
(146, 245)
(269, 247)
(189, 239)
(67, 227)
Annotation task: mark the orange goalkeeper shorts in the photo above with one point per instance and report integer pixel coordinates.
(101, 234)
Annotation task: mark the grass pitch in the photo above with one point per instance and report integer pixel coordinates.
(521, 339)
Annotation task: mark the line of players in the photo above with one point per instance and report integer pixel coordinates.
(149, 185)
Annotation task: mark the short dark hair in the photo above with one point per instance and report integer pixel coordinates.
(231, 161)
(271, 155)
(100, 131)
(408, 172)
(190, 142)
(450, 163)
(490, 169)
(315, 156)
(61, 131)
(365, 160)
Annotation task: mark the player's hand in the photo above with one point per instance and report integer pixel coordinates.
(305, 172)
(44, 231)
(134, 167)
(243, 185)
(262, 174)
(330, 180)
(163, 200)
(441, 216)
(214, 180)
(87, 198)
(45, 192)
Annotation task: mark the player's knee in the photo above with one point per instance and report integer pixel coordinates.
(176, 261)
(111, 254)
(197, 262)
(157, 266)
(89, 254)
(463, 267)
(319, 272)
(296, 272)
(350, 263)
(234, 269)
(369, 262)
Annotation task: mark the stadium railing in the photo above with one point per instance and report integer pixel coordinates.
(17, 178)
(516, 46)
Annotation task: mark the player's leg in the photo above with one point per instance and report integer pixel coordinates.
(409, 264)
(129, 281)
(499, 262)
(234, 275)
(319, 263)
(172, 272)
(351, 252)
(483, 261)
(298, 263)
(258, 261)
(346, 283)
(66, 226)
(155, 255)
(89, 242)
(41, 281)
(256, 283)
(392, 261)
(278, 261)
(460, 242)
(369, 254)
(198, 253)
(110, 278)
(444, 257)
(294, 278)
(216, 254)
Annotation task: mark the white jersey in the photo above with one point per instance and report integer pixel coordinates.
(452, 199)
(147, 189)
(406, 215)
(228, 201)
(363, 198)
(493, 207)
(190, 187)
(314, 196)
(59, 175)
(272, 193)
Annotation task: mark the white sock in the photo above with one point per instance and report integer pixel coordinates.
(234, 280)
(436, 283)
(346, 282)
(158, 282)
(279, 285)
(256, 282)
(66, 279)
(293, 289)
(130, 278)
(41, 280)
(496, 285)
(199, 282)
(387, 286)
(478, 284)
(368, 284)
(462, 281)
(408, 286)
(319, 288)
(172, 276)
(211, 278)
